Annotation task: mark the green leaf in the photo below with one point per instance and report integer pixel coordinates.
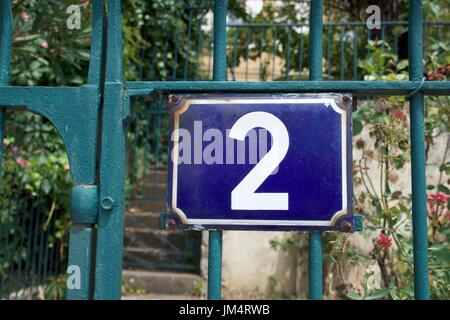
(46, 187)
(444, 189)
(357, 127)
(402, 65)
(443, 254)
(353, 295)
(393, 293)
(445, 168)
(378, 294)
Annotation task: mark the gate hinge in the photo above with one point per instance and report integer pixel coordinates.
(84, 204)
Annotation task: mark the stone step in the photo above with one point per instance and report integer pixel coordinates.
(147, 205)
(166, 283)
(142, 219)
(152, 238)
(156, 296)
(158, 176)
(134, 256)
(150, 188)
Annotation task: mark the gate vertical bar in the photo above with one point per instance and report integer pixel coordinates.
(315, 73)
(108, 272)
(5, 59)
(84, 197)
(219, 74)
(419, 209)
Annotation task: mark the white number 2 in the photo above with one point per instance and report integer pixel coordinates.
(244, 197)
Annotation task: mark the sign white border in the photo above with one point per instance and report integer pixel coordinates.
(328, 102)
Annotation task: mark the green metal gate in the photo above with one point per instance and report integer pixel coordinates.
(96, 141)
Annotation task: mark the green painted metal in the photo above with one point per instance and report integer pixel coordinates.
(357, 88)
(359, 223)
(108, 270)
(418, 162)
(5, 59)
(99, 181)
(220, 40)
(61, 105)
(315, 263)
(315, 46)
(315, 266)
(84, 204)
(215, 265)
(219, 74)
(80, 258)
(333, 24)
(6, 26)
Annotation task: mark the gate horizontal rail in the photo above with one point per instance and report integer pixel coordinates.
(327, 24)
(363, 88)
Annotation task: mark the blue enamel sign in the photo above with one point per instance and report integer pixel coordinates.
(260, 162)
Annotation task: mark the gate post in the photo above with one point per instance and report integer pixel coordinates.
(315, 73)
(5, 60)
(219, 74)
(84, 201)
(419, 207)
(108, 272)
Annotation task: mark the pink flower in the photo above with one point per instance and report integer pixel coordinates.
(441, 198)
(44, 44)
(15, 149)
(24, 16)
(22, 162)
(84, 1)
(384, 241)
(435, 202)
(5, 143)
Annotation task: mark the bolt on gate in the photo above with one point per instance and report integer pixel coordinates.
(102, 108)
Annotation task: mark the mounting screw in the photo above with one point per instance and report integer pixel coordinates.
(107, 203)
(345, 226)
(174, 99)
(347, 99)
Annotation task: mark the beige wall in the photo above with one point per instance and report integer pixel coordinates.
(249, 261)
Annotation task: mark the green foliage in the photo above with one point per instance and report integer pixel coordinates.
(56, 288)
(45, 51)
(131, 289)
(198, 288)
